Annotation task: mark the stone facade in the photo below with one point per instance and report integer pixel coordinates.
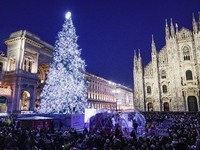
(103, 93)
(22, 70)
(171, 81)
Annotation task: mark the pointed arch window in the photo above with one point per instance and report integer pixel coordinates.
(1, 66)
(189, 75)
(186, 53)
(164, 89)
(148, 89)
(163, 74)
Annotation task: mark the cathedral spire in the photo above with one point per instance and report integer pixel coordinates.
(166, 30)
(139, 56)
(194, 24)
(153, 46)
(199, 20)
(193, 18)
(176, 28)
(135, 55)
(139, 60)
(172, 29)
(135, 59)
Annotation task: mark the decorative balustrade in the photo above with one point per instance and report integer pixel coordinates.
(23, 73)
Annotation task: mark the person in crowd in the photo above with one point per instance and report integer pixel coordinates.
(183, 134)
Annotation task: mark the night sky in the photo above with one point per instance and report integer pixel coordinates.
(109, 30)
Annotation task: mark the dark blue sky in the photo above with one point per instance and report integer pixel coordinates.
(108, 30)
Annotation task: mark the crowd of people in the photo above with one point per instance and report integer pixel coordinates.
(183, 133)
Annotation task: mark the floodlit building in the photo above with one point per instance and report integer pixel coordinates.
(23, 72)
(171, 81)
(103, 93)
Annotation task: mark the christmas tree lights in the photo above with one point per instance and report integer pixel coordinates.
(65, 88)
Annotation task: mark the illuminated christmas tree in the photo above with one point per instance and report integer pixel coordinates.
(65, 88)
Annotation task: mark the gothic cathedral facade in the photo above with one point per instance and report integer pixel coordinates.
(171, 81)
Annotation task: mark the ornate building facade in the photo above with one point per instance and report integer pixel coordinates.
(23, 72)
(171, 81)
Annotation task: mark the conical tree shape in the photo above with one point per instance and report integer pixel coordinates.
(65, 89)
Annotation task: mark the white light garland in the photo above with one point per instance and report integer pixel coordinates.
(65, 89)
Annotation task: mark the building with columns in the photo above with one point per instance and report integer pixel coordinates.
(23, 72)
(171, 81)
(103, 93)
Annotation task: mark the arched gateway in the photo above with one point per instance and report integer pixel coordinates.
(166, 106)
(192, 104)
(150, 106)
